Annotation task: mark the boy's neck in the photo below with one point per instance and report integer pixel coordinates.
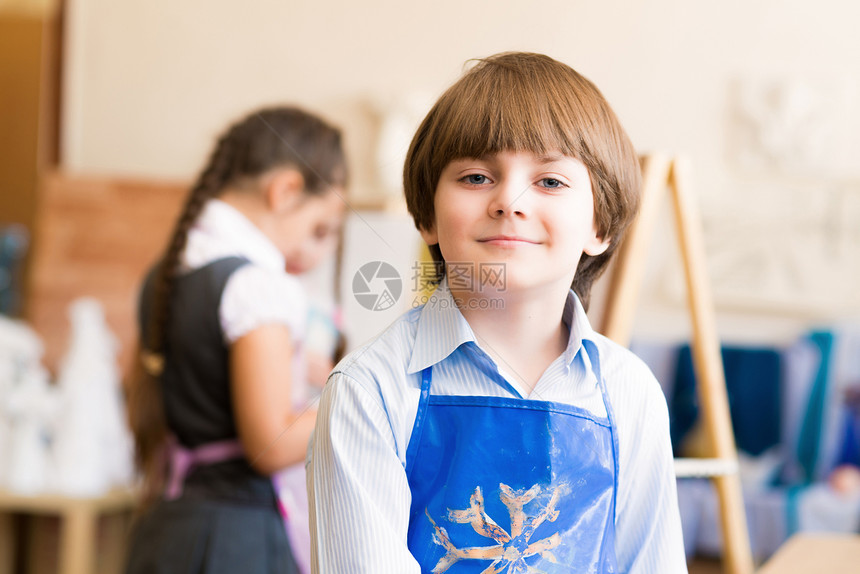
(524, 335)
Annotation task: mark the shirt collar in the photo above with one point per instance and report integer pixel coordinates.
(576, 320)
(442, 329)
(223, 231)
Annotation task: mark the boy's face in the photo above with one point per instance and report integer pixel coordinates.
(534, 215)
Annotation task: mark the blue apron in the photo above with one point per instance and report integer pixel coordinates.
(505, 485)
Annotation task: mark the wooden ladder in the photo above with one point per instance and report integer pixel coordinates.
(660, 173)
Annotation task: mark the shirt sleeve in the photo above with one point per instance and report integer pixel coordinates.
(648, 523)
(357, 487)
(255, 296)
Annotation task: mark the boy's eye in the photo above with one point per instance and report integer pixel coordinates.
(551, 183)
(476, 179)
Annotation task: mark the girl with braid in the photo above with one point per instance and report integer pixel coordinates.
(215, 402)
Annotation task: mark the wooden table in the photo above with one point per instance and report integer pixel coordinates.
(816, 554)
(79, 525)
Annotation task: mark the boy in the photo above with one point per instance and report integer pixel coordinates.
(492, 430)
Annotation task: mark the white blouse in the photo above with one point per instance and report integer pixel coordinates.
(257, 294)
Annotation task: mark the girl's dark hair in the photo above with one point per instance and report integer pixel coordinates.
(278, 137)
(520, 101)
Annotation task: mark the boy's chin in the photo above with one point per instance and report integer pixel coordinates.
(514, 288)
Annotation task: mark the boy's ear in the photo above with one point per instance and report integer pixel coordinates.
(597, 245)
(283, 189)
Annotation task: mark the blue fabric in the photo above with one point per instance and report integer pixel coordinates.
(511, 484)
(849, 452)
(810, 431)
(14, 241)
(792, 508)
(753, 383)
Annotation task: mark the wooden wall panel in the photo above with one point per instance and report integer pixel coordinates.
(96, 237)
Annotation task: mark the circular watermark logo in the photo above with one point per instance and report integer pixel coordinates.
(377, 286)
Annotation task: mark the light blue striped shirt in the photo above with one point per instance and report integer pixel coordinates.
(359, 495)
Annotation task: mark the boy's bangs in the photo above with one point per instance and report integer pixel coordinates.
(504, 116)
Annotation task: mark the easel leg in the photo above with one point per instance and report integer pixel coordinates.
(710, 375)
(626, 280)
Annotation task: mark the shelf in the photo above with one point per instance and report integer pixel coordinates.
(48, 503)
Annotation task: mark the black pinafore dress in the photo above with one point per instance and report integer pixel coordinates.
(226, 520)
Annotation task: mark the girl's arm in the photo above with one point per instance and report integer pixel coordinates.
(272, 435)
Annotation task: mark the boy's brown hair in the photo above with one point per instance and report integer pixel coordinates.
(519, 101)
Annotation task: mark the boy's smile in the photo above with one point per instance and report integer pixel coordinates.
(534, 214)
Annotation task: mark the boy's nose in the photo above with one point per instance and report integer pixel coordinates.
(510, 198)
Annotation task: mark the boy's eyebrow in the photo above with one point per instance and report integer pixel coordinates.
(550, 158)
(466, 160)
(489, 157)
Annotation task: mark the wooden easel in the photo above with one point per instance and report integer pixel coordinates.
(659, 174)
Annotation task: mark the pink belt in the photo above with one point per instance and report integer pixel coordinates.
(182, 461)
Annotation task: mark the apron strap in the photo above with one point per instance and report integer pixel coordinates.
(182, 460)
(420, 415)
(593, 354)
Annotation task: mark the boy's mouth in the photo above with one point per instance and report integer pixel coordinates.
(509, 240)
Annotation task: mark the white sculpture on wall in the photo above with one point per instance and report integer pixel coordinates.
(781, 248)
(797, 126)
(783, 237)
(786, 123)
